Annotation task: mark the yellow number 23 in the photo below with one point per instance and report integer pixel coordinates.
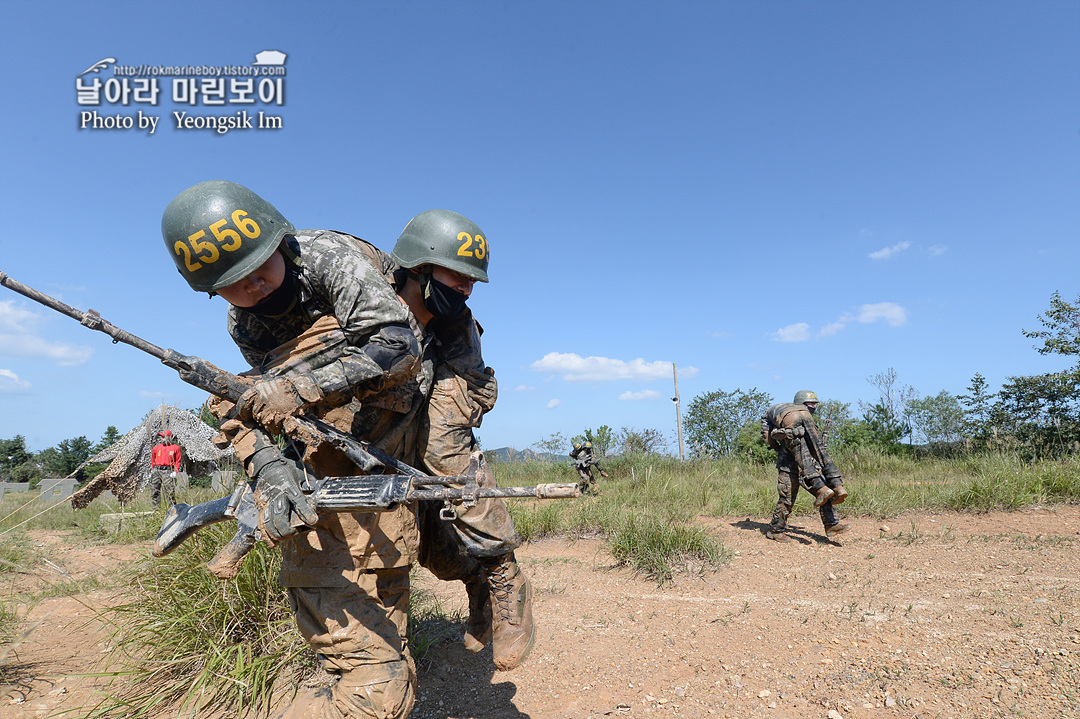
(472, 246)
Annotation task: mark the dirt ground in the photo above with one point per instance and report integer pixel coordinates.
(924, 615)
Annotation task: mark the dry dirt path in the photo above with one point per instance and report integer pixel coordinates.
(935, 615)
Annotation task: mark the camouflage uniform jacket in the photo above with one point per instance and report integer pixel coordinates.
(337, 279)
(811, 455)
(455, 351)
(583, 458)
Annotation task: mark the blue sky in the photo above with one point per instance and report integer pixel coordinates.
(778, 195)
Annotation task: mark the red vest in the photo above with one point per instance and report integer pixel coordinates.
(166, 455)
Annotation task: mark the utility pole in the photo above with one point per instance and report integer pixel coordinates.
(678, 412)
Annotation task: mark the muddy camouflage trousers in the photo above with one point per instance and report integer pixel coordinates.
(358, 630)
(444, 445)
(787, 487)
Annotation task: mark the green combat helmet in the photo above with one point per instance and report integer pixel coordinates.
(803, 396)
(446, 239)
(218, 232)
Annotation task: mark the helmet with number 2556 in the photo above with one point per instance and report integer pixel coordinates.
(218, 232)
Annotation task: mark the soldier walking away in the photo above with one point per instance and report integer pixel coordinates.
(165, 459)
(802, 459)
(582, 454)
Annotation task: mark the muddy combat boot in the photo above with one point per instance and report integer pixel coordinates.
(823, 495)
(778, 535)
(835, 529)
(511, 603)
(478, 630)
(839, 494)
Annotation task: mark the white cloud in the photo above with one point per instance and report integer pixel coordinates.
(11, 384)
(575, 368)
(647, 394)
(16, 319)
(33, 347)
(833, 327)
(890, 312)
(798, 332)
(18, 338)
(524, 388)
(937, 250)
(552, 404)
(887, 252)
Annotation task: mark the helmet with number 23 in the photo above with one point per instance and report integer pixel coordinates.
(446, 239)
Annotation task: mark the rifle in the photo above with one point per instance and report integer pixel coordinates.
(364, 493)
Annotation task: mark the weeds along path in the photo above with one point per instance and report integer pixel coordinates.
(925, 615)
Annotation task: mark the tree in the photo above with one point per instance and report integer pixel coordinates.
(713, 419)
(833, 418)
(1041, 411)
(889, 413)
(977, 404)
(552, 444)
(111, 436)
(750, 444)
(938, 419)
(603, 439)
(69, 454)
(878, 427)
(646, 441)
(1062, 321)
(13, 453)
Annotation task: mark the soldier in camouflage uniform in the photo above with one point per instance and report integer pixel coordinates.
(347, 578)
(802, 458)
(584, 462)
(436, 261)
(434, 264)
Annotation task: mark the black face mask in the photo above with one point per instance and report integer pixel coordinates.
(281, 300)
(442, 301)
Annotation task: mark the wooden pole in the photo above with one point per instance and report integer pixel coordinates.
(678, 412)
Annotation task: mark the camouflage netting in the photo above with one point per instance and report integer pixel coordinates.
(129, 457)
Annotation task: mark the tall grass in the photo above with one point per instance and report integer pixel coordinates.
(880, 484)
(186, 641)
(24, 511)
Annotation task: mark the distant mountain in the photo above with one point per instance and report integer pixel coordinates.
(509, 454)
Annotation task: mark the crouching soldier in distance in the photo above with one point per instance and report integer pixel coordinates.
(584, 461)
(802, 458)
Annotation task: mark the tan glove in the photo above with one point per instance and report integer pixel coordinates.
(482, 387)
(270, 402)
